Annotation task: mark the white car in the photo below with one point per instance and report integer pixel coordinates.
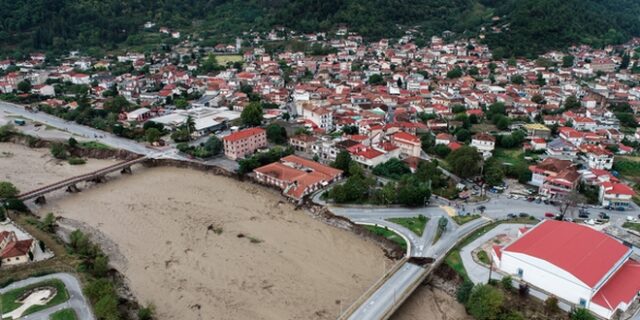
(630, 218)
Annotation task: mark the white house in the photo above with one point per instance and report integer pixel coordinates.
(597, 157)
(615, 194)
(579, 265)
(485, 143)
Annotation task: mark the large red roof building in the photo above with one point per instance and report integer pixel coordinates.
(579, 265)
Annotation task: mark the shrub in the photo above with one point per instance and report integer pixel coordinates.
(485, 302)
(464, 291)
(146, 313)
(16, 205)
(8, 190)
(581, 314)
(507, 282)
(551, 305)
(59, 151)
(76, 161)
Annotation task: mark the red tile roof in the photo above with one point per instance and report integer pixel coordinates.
(584, 252)
(623, 286)
(243, 134)
(16, 249)
(406, 137)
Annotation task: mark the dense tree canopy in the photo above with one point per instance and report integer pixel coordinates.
(96, 26)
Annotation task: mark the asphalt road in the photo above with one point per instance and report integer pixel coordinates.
(76, 301)
(381, 301)
(10, 109)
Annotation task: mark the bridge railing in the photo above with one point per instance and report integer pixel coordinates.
(358, 302)
(406, 293)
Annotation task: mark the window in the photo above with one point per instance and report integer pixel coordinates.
(520, 272)
(583, 302)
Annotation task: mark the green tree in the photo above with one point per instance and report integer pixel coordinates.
(485, 302)
(624, 64)
(441, 150)
(152, 135)
(24, 86)
(567, 61)
(517, 79)
(252, 114)
(494, 175)
(213, 146)
(455, 73)
(376, 79)
(72, 142)
(343, 161)
(3, 214)
(502, 123)
(571, 102)
(540, 80)
(463, 135)
(276, 134)
(465, 162)
(181, 103)
(393, 168)
(8, 190)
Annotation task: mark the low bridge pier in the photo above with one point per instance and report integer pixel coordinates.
(71, 184)
(73, 188)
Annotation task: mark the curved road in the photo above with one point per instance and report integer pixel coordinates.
(76, 301)
(395, 289)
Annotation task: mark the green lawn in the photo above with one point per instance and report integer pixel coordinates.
(454, 261)
(415, 224)
(8, 300)
(223, 59)
(628, 167)
(64, 314)
(514, 157)
(483, 257)
(94, 145)
(632, 225)
(460, 220)
(439, 233)
(381, 231)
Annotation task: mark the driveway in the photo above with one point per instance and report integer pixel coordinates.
(76, 301)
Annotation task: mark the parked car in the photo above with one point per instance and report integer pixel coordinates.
(550, 215)
(538, 200)
(604, 216)
(523, 215)
(512, 215)
(583, 215)
(630, 218)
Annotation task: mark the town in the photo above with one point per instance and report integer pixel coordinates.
(520, 173)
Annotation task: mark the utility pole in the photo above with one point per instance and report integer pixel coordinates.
(490, 267)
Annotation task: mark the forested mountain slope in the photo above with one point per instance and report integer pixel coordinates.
(526, 26)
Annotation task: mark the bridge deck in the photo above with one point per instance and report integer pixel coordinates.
(73, 180)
